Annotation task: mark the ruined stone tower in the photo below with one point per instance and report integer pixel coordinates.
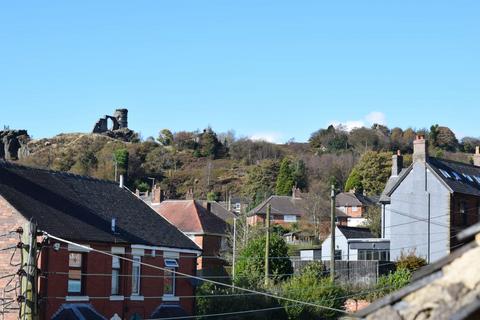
(122, 117)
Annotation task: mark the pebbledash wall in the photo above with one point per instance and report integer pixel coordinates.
(97, 269)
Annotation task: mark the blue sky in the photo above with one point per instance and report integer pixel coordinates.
(273, 69)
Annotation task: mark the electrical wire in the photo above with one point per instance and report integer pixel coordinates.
(199, 278)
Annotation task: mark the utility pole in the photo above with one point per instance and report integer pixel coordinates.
(29, 274)
(267, 245)
(332, 234)
(234, 247)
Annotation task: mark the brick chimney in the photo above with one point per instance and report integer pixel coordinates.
(476, 157)
(189, 195)
(157, 195)
(296, 194)
(397, 164)
(207, 205)
(420, 149)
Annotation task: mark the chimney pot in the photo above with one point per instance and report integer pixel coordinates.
(476, 157)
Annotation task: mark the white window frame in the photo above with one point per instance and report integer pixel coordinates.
(289, 218)
(136, 275)
(116, 271)
(171, 265)
(354, 208)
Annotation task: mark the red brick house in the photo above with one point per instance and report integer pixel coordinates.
(100, 215)
(355, 206)
(285, 211)
(197, 220)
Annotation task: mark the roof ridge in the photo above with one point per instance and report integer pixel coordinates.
(7, 164)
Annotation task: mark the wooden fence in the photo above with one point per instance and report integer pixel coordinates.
(356, 273)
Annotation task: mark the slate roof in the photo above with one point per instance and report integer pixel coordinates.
(81, 208)
(191, 217)
(463, 178)
(349, 199)
(218, 210)
(457, 176)
(281, 205)
(446, 289)
(356, 232)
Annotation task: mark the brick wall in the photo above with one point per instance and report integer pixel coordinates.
(10, 220)
(98, 282)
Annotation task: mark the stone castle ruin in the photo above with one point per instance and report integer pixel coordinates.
(13, 144)
(115, 126)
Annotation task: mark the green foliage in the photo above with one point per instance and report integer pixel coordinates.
(209, 146)
(260, 182)
(443, 138)
(374, 169)
(300, 174)
(87, 162)
(315, 268)
(227, 303)
(310, 288)
(285, 179)
(329, 140)
(354, 181)
(121, 157)
(212, 196)
(251, 260)
(390, 283)
(373, 220)
(410, 261)
(142, 186)
(165, 137)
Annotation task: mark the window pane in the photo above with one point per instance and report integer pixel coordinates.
(75, 260)
(74, 286)
(115, 282)
(169, 283)
(376, 255)
(136, 276)
(369, 255)
(116, 262)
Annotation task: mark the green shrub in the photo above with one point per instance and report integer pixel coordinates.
(390, 283)
(250, 266)
(241, 301)
(309, 287)
(410, 261)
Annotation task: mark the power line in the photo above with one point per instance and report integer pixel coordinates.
(199, 278)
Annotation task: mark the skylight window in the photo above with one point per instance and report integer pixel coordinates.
(468, 177)
(457, 176)
(477, 178)
(445, 173)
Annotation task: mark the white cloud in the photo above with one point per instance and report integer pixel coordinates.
(367, 121)
(272, 137)
(376, 117)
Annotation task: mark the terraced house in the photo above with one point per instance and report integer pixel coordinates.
(104, 216)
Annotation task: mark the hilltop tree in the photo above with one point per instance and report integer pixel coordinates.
(300, 174)
(209, 146)
(330, 139)
(165, 137)
(260, 181)
(285, 179)
(443, 138)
